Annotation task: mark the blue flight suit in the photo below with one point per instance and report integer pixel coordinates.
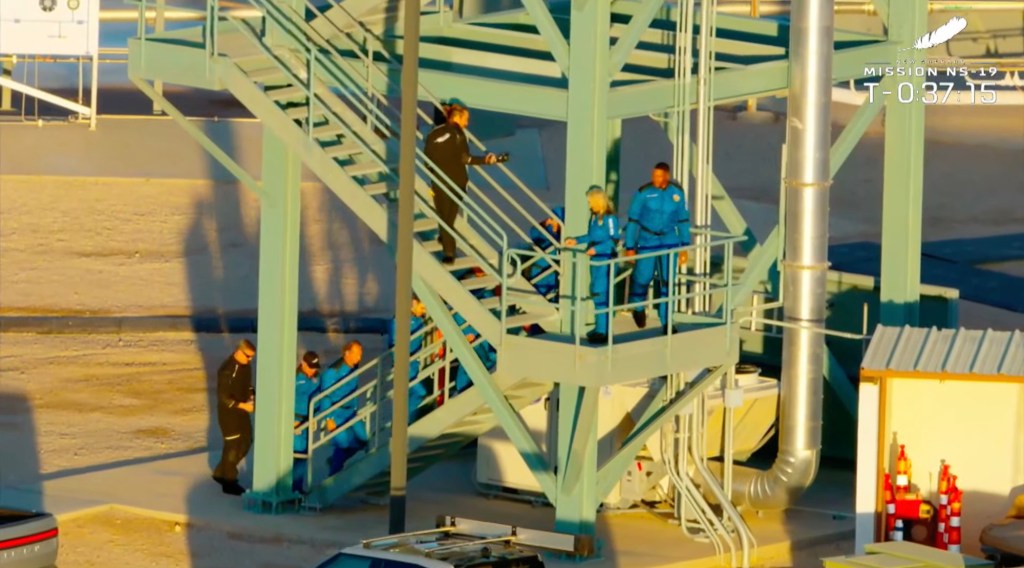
(305, 389)
(658, 220)
(549, 282)
(603, 236)
(354, 437)
(418, 391)
(483, 350)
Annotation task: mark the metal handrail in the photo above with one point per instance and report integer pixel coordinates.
(326, 106)
(339, 76)
(367, 35)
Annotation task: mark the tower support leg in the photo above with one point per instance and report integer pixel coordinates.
(576, 478)
(278, 321)
(903, 178)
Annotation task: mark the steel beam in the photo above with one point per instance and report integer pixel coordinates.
(575, 509)
(489, 94)
(740, 84)
(278, 319)
(627, 42)
(550, 31)
(655, 415)
(903, 180)
(582, 421)
(854, 131)
(586, 137)
(199, 136)
(489, 389)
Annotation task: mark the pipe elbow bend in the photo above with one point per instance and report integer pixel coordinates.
(780, 487)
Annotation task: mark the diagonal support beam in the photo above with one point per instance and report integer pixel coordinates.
(199, 136)
(609, 473)
(482, 379)
(550, 31)
(33, 92)
(759, 263)
(585, 419)
(630, 37)
(855, 129)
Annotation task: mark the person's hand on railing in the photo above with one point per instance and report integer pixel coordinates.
(570, 242)
(490, 159)
(628, 253)
(331, 425)
(684, 256)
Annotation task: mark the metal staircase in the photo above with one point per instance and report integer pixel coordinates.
(326, 95)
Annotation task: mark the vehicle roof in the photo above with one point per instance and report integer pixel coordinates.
(460, 551)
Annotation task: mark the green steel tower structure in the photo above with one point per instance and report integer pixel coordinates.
(324, 79)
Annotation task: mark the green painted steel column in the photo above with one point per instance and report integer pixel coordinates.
(577, 499)
(903, 177)
(587, 152)
(613, 167)
(278, 321)
(586, 116)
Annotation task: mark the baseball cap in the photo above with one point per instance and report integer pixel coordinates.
(311, 359)
(456, 102)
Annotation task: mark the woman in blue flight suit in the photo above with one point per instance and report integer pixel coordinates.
(601, 240)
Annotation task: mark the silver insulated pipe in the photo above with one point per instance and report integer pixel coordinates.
(805, 266)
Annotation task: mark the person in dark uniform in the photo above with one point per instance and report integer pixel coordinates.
(441, 112)
(234, 405)
(447, 148)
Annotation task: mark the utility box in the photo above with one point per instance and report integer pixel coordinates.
(905, 555)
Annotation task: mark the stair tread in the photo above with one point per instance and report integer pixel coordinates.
(289, 92)
(528, 318)
(364, 168)
(462, 263)
(328, 130)
(343, 150)
(379, 188)
(487, 281)
(262, 74)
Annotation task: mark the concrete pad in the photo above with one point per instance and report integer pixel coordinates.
(180, 490)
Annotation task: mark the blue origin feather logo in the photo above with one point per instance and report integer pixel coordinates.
(940, 35)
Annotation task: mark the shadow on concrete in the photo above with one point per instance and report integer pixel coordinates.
(20, 483)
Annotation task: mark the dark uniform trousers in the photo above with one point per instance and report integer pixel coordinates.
(447, 208)
(236, 431)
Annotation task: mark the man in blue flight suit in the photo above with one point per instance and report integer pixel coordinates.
(353, 438)
(306, 387)
(601, 239)
(658, 220)
(417, 391)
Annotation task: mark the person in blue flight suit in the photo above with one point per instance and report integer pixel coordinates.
(550, 227)
(483, 349)
(306, 387)
(352, 439)
(601, 239)
(658, 220)
(418, 391)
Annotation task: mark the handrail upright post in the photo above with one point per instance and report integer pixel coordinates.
(309, 90)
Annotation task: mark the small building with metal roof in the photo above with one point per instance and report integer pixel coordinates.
(945, 394)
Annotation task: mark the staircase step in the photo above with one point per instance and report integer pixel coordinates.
(520, 320)
(300, 112)
(481, 282)
(378, 188)
(343, 150)
(432, 246)
(462, 263)
(284, 93)
(423, 225)
(264, 74)
(328, 130)
(364, 168)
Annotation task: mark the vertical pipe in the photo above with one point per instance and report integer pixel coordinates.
(805, 267)
(158, 28)
(403, 268)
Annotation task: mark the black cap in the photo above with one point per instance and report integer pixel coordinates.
(311, 359)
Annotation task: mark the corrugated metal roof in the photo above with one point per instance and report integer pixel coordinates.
(932, 350)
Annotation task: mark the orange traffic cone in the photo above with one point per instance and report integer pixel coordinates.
(902, 473)
(890, 496)
(890, 527)
(953, 530)
(940, 537)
